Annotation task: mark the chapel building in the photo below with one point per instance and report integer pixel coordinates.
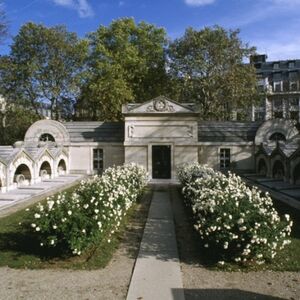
(160, 135)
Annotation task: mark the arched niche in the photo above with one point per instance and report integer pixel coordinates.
(23, 158)
(278, 169)
(296, 174)
(22, 175)
(45, 171)
(62, 166)
(286, 128)
(47, 128)
(262, 167)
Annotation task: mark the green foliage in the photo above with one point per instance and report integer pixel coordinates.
(238, 222)
(14, 122)
(208, 66)
(44, 65)
(126, 63)
(94, 211)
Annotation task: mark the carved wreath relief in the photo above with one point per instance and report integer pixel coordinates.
(160, 105)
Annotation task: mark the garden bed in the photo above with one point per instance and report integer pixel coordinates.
(63, 217)
(204, 279)
(106, 283)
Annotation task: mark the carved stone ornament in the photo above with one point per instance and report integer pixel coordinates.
(160, 105)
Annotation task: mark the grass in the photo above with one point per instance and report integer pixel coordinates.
(192, 249)
(19, 247)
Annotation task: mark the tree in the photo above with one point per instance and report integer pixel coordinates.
(126, 63)
(209, 68)
(44, 66)
(14, 122)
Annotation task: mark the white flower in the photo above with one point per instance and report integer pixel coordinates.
(240, 221)
(83, 231)
(54, 226)
(221, 262)
(206, 246)
(50, 204)
(69, 213)
(33, 225)
(41, 244)
(37, 228)
(37, 216)
(52, 242)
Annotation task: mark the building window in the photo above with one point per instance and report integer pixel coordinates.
(294, 102)
(293, 81)
(293, 86)
(278, 114)
(277, 136)
(224, 158)
(291, 64)
(47, 137)
(276, 66)
(294, 115)
(98, 160)
(259, 115)
(277, 103)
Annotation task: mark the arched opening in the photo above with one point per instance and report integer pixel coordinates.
(61, 168)
(277, 136)
(45, 170)
(262, 167)
(278, 170)
(22, 175)
(296, 174)
(47, 137)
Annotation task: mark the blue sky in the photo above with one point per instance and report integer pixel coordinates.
(273, 26)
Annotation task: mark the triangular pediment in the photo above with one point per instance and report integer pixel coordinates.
(159, 105)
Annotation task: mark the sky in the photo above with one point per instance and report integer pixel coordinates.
(273, 26)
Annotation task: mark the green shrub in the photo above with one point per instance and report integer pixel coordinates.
(93, 212)
(239, 222)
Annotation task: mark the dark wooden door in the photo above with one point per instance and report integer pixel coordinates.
(161, 162)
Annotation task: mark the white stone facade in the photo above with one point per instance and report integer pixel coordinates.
(160, 135)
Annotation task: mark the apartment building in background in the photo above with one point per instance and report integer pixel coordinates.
(279, 83)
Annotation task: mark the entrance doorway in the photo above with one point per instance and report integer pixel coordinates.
(161, 162)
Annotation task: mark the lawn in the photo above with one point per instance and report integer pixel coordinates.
(192, 248)
(20, 248)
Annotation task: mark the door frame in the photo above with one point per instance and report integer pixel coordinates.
(150, 171)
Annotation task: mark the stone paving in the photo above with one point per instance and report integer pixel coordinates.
(28, 193)
(157, 273)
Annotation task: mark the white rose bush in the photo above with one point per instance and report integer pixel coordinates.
(235, 221)
(93, 212)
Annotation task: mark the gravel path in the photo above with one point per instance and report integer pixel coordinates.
(204, 284)
(109, 283)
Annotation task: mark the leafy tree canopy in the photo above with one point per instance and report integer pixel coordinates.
(126, 63)
(44, 66)
(208, 68)
(14, 122)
